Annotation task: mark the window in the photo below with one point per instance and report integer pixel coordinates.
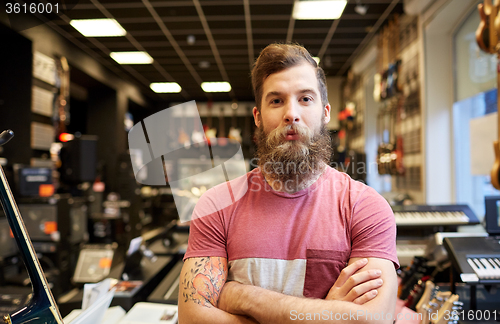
(475, 97)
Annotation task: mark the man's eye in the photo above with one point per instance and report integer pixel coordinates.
(275, 101)
(307, 99)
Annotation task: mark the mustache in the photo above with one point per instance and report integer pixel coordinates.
(278, 135)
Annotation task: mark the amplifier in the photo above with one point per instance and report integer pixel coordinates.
(33, 182)
(57, 219)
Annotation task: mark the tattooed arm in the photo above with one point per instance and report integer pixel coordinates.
(201, 282)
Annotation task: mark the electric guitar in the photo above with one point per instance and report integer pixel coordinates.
(486, 35)
(62, 116)
(42, 307)
(448, 311)
(396, 164)
(423, 305)
(487, 40)
(434, 308)
(495, 171)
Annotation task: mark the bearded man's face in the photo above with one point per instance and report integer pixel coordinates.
(282, 159)
(292, 137)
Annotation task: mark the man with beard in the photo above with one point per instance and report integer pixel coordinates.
(304, 241)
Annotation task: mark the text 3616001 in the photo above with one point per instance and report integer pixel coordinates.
(31, 8)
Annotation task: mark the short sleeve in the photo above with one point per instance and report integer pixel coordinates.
(206, 231)
(373, 227)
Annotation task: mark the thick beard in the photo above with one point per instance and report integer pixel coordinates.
(297, 160)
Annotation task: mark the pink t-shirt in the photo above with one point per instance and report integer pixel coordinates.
(295, 244)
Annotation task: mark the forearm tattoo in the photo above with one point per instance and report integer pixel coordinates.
(204, 282)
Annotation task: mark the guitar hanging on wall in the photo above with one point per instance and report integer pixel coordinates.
(61, 112)
(487, 39)
(495, 171)
(42, 307)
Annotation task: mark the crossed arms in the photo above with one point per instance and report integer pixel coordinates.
(366, 289)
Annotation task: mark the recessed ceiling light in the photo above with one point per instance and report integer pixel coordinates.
(165, 87)
(216, 86)
(191, 39)
(318, 9)
(131, 57)
(361, 9)
(204, 64)
(98, 27)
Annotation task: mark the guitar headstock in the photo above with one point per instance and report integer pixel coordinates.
(235, 134)
(430, 310)
(183, 138)
(198, 138)
(448, 311)
(211, 135)
(427, 296)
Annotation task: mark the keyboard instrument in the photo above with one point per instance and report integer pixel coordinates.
(439, 215)
(477, 259)
(406, 250)
(485, 266)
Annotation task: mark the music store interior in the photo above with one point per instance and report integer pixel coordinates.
(412, 86)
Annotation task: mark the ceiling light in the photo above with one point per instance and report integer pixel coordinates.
(191, 39)
(318, 9)
(165, 87)
(216, 86)
(316, 59)
(131, 57)
(98, 27)
(328, 61)
(204, 64)
(361, 9)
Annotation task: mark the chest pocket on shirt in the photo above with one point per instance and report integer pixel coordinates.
(322, 270)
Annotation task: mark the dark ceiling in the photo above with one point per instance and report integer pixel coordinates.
(229, 34)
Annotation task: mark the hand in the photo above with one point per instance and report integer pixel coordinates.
(358, 288)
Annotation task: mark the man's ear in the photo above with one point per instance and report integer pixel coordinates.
(327, 113)
(256, 116)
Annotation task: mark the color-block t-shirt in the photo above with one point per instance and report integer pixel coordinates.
(295, 244)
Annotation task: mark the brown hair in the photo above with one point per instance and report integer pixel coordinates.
(278, 57)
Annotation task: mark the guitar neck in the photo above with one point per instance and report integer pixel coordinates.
(498, 97)
(492, 32)
(42, 305)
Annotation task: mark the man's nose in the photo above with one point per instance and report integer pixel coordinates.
(291, 113)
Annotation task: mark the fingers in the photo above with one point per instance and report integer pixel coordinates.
(366, 297)
(348, 271)
(367, 288)
(355, 285)
(363, 276)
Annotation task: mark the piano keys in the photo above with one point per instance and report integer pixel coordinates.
(485, 266)
(440, 215)
(476, 259)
